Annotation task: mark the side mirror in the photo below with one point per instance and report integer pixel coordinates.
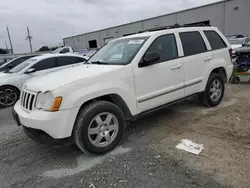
(30, 71)
(243, 45)
(150, 58)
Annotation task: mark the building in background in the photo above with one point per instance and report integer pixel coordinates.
(230, 16)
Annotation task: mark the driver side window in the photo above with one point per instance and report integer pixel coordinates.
(45, 64)
(166, 46)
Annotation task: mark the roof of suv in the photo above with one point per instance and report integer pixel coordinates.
(182, 29)
(45, 56)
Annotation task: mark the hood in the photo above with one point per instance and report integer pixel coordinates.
(235, 46)
(54, 80)
(245, 49)
(3, 75)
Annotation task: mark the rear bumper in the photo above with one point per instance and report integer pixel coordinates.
(57, 125)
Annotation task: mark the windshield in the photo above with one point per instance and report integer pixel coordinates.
(21, 66)
(118, 52)
(235, 42)
(56, 51)
(13, 63)
(247, 40)
(3, 65)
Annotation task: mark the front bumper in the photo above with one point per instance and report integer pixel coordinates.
(58, 124)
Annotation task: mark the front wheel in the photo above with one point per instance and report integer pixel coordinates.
(8, 96)
(99, 127)
(214, 92)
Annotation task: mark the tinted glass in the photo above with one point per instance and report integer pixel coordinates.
(18, 61)
(65, 50)
(215, 40)
(22, 65)
(247, 40)
(44, 64)
(79, 59)
(192, 43)
(63, 61)
(166, 46)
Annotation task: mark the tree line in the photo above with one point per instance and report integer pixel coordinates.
(42, 49)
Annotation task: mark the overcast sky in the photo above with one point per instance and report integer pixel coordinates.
(51, 20)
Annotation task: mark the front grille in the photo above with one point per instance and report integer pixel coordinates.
(28, 100)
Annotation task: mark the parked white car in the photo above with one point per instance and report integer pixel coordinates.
(239, 42)
(91, 103)
(11, 82)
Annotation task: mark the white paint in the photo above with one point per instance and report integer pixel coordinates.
(84, 162)
(141, 88)
(189, 146)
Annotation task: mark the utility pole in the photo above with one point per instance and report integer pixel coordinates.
(29, 38)
(12, 51)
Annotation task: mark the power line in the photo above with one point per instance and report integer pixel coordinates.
(10, 39)
(29, 37)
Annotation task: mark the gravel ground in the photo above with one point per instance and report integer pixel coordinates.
(147, 157)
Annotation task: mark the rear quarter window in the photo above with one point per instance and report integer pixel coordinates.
(192, 43)
(216, 42)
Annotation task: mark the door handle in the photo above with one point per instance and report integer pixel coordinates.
(176, 67)
(208, 58)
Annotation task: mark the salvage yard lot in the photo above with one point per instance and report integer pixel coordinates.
(147, 156)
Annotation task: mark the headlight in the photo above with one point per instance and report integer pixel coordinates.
(48, 102)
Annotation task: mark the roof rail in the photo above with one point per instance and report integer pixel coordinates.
(176, 26)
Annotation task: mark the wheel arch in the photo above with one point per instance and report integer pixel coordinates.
(219, 70)
(113, 98)
(222, 71)
(8, 85)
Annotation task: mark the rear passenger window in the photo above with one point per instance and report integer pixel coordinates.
(67, 60)
(79, 59)
(215, 40)
(44, 64)
(192, 43)
(166, 46)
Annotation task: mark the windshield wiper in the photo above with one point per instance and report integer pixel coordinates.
(99, 63)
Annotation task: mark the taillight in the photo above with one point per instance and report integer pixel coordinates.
(231, 53)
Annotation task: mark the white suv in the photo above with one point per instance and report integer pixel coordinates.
(11, 81)
(127, 78)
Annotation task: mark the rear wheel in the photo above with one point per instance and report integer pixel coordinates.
(99, 127)
(214, 92)
(235, 79)
(8, 96)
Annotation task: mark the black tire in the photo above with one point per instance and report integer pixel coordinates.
(205, 96)
(15, 93)
(235, 80)
(84, 119)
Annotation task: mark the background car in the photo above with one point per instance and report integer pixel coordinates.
(11, 82)
(14, 62)
(239, 42)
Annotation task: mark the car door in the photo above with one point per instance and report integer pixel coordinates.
(194, 58)
(163, 81)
